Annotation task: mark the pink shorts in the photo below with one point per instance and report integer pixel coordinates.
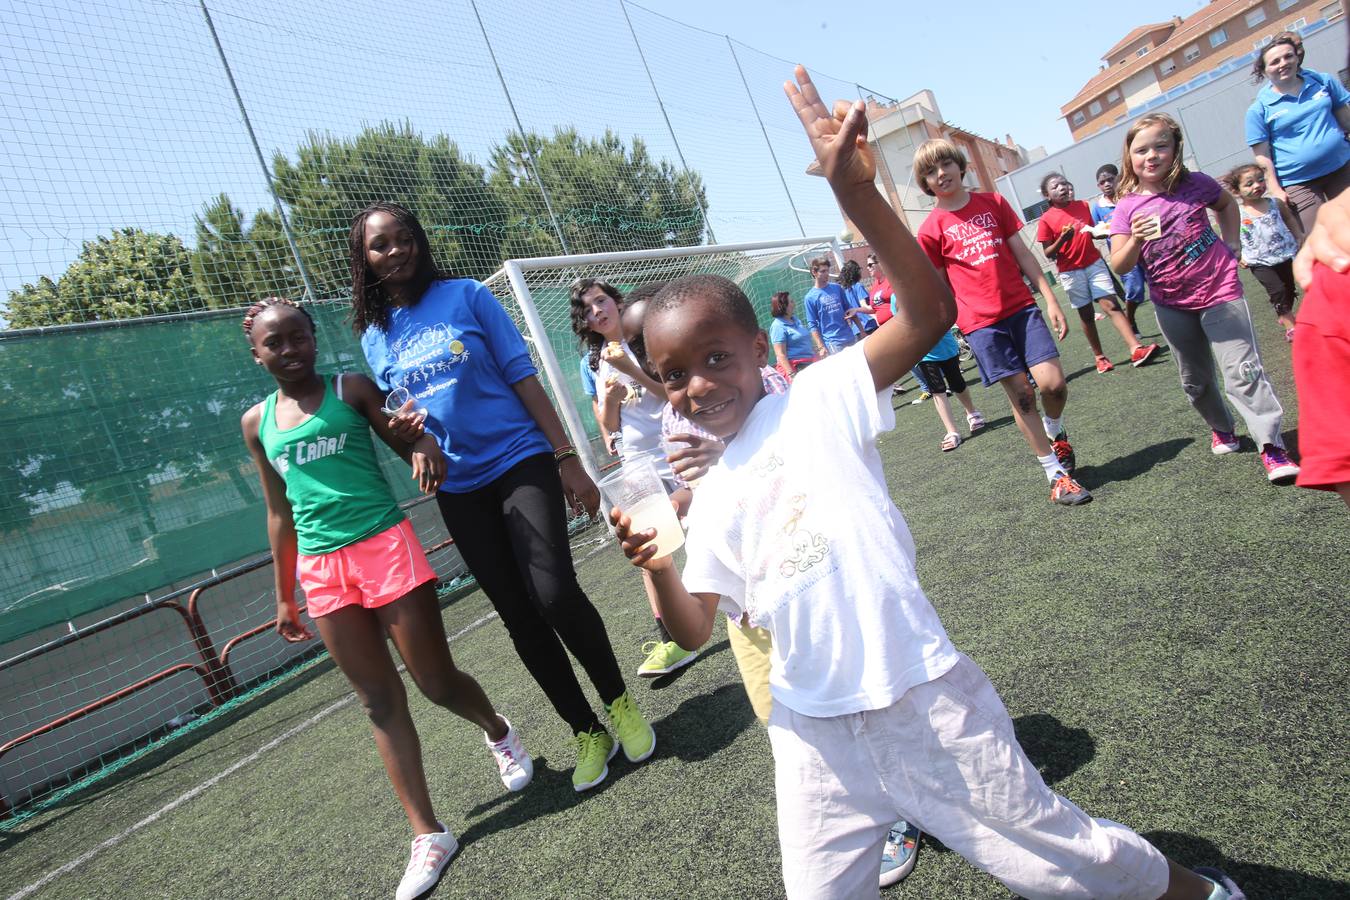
(371, 573)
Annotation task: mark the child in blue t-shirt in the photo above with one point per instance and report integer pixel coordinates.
(875, 713)
(1102, 208)
(941, 368)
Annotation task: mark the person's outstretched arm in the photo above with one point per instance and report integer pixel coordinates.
(924, 306)
(280, 532)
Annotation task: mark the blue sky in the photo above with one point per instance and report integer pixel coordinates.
(117, 113)
(996, 68)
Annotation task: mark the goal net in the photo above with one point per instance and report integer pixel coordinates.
(536, 292)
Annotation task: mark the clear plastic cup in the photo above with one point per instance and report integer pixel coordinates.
(636, 489)
(669, 447)
(397, 399)
(1154, 223)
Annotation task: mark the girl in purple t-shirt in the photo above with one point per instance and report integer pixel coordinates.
(1162, 222)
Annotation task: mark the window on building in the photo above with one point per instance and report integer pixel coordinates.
(1033, 212)
(1255, 17)
(1167, 66)
(1296, 25)
(1192, 53)
(1282, 5)
(1095, 108)
(1078, 118)
(1141, 51)
(1331, 12)
(1113, 96)
(1257, 45)
(1218, 37)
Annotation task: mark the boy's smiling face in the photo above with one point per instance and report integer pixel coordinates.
(708, 363)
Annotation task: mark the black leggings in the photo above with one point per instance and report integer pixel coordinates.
(1278, 280)
(512, 534)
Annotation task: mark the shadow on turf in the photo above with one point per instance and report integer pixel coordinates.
(700, 727)
(1132, 464)
(1255, 880)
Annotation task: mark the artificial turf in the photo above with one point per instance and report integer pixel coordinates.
(1174, 656)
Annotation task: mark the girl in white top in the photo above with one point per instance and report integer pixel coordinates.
(1271, 235)
(627, 403)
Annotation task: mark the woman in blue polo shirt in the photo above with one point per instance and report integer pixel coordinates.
(509, 468)
(1296, 129)
(790, 337)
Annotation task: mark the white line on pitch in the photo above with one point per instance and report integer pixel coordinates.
(212, 781)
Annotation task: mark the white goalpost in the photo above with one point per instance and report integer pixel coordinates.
(535, 292)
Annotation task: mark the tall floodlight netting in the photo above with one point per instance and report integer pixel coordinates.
(169, 162)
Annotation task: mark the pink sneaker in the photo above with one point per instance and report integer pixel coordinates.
(431, 853)
(1142, 354)
(1223, 442)
(1280, 469)
(513, 764)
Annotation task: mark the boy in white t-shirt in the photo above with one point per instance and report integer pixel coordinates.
(875, 713)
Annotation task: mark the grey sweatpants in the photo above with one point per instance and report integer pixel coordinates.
(1223, 333)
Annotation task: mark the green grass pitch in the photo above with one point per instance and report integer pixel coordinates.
(1174, 655)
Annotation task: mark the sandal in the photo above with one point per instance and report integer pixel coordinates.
(975, 421)
(950, 441)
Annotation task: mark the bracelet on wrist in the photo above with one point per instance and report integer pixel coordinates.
(562, 455)
(560, 452)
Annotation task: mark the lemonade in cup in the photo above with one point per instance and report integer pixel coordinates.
(637, 490)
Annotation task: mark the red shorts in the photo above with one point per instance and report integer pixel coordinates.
(371, 573)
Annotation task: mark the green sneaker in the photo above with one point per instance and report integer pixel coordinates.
(594, 751)
(664, 658)
(635, 735)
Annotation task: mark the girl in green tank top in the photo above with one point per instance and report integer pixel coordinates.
(328, 509)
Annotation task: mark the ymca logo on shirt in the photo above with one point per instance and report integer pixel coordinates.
(430, 351)
(974, 237)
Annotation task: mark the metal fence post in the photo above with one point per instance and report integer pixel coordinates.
(520, 129)
(267, 173)
(707, 223)
(765, 132)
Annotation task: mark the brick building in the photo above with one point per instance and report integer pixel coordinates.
(1156, 59)
(899, 127)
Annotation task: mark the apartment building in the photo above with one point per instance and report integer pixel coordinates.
(899, 127)
(1161, 57)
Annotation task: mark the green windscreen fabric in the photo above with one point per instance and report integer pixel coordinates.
(124, 469)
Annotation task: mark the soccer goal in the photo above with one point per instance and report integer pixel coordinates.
(536, 292)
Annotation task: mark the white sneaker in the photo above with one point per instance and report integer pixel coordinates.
(513, 764)
(431, 853)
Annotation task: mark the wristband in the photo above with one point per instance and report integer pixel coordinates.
(561, 452)
(565, 454)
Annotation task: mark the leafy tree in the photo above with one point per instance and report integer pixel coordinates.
(332, 179)
(129, 274)
(234, 264)
(606, 195)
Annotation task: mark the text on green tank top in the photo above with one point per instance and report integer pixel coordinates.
(337, 492)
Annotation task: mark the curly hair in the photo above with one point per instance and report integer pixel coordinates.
(779, 303)
(370, 301)
(251, 314)
(850, 273)
(1284, 38)
(591, 340)
(1233, 178)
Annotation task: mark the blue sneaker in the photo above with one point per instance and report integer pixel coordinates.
(902, 849)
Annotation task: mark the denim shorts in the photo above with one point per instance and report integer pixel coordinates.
(1013, 345)
(1134, 285)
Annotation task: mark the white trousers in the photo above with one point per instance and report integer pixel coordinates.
(945, 758)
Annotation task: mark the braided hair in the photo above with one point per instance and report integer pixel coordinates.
(370, 301)
(592, 340)
(252, 313)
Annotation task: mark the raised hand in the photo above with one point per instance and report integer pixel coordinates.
(839, 138)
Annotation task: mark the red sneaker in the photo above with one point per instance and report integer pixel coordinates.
(1067, 492)
(1223, 442)
(1142, 354)
(1103, 365)
(1064, 452)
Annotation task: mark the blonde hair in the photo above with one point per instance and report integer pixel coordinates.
(1129, 181)
(932, 154)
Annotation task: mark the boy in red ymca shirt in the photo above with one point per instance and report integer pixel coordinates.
(1065, 233)
(972, 238)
